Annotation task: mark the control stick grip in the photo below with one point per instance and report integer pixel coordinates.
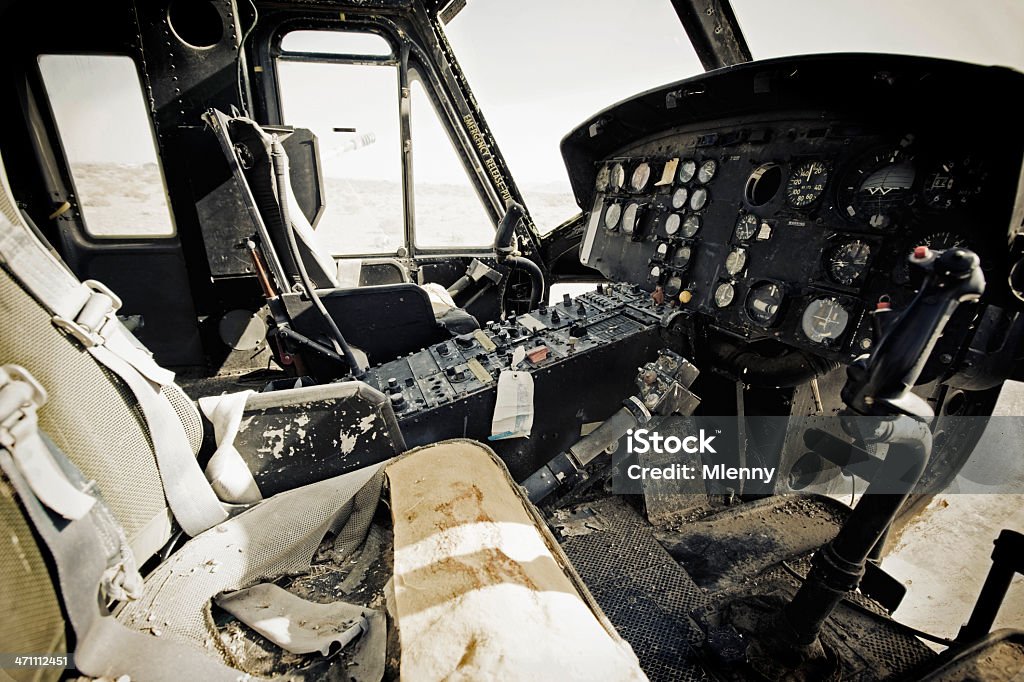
(880, 384)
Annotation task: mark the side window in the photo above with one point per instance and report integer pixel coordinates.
(345, 87)
(448, 209)
(107, 137)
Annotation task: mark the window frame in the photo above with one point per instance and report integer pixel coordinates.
(56, 142)
(407, 56)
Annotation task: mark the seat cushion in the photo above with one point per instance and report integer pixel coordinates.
(481, 589)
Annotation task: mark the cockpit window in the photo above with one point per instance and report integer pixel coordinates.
(948, 29)
(351, 104)
(337, 43)
(551, 65)
(108, 143)
(448, 210)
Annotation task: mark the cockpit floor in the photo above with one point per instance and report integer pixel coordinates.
(663, 609)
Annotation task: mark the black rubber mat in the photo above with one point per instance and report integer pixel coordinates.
(652, 600)
(645, 594)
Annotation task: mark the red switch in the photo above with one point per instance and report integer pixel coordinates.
(920, 252)
(538, 354)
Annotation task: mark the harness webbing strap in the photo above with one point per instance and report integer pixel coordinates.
(20, 396)
(86, 312)
(105, 647)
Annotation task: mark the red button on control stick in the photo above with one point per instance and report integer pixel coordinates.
(920, 252)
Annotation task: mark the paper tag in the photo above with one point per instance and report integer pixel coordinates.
(513, 410)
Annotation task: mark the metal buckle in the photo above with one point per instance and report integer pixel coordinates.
(86, 334)
(20, 395)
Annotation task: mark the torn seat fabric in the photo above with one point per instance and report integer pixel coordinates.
(482, 590)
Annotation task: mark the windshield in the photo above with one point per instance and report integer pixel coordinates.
(981, 32)
(539, 68)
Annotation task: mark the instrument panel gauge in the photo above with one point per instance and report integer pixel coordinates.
(661, 251)
(824, 319)
(691, 225)
(707, 171)
(617, 177)
(603, 176)
(698, 199)
(763, 303)
(629, 218)
(611, 216)
(735, 261)
(681, 257)
(679, 197)
(879, 188)
(672, 223)
(673, 286)
(746, 227)
(847, 263)
(656, 272)
(724, 294)
(641, 176)
(806, 183)
(687, 169)
(953, 183)
(940, 241)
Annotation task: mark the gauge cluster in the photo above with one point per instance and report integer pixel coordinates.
(793, 224)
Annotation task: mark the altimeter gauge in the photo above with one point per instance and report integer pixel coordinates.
(847, 262)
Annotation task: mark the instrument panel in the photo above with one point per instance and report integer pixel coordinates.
(794, 224)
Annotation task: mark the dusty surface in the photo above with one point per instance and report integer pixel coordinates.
(944, 556)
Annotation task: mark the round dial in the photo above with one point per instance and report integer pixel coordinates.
(724, 294)
(824, 319)
(691, 225)
(641, 176)
(611, 216)
(763, 303)
(879, 188)
(661, 251)
(681, 257)
(672, 223)
(617, 177)
(746, 227)
(629, 218)
(698, 199)
(806, 183)
(847, 263)
(953, 183)
(940, 241)
(673, 286)
(735, 261)
(679, 197)
(707, 171)
(602, 179)
(687, 169)
(656, 272)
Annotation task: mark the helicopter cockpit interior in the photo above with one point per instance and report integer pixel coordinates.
(254, 422)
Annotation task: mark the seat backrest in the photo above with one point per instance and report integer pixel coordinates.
(91, 415)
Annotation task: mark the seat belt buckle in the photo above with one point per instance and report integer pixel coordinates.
(20, 395)
(90, 322)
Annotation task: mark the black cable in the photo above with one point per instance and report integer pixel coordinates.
(860, 608)
(242, 99)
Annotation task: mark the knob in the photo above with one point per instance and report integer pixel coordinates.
(392, 385)
(397, 399)
(464, 340)
(443, 349)
(554, 316)
(567, 300)
(581, 309)
(543, 308)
